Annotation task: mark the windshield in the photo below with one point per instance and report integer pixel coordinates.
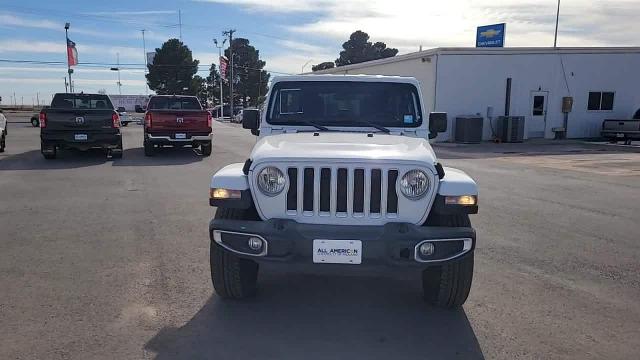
(174, 103)
(81, 101)
(344, 103)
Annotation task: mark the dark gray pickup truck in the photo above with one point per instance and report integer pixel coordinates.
(622, 129)
(82, 122)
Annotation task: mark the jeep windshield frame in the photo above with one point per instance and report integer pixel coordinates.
(354, 104)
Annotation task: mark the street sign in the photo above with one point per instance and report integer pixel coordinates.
(490, 35)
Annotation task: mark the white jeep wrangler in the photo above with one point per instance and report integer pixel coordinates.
(343, 177)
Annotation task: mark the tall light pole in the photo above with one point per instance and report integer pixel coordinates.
(230, 34)
(305, 64)
(66, 34)
(215, 41)
(555, 37)
(146, 65)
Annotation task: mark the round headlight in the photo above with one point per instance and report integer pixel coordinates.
(414, 184)
(271, 181)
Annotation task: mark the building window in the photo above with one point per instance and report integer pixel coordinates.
(600, 100)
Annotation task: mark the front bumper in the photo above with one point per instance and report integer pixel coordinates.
(390, 245)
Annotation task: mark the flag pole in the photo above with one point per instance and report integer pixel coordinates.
(66, 34)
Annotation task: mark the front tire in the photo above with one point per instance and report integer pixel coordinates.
(448, 285)
(35, 122)
(233, 277)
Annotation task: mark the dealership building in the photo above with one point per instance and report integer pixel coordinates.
(555, 91)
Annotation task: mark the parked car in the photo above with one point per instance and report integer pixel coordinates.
(140, 109)
(343, 178)
(124, 117)
(176, 120)
(237, 118)
(80, 121)
(3, 131)
(622, 129)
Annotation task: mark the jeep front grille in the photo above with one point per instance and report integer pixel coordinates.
(342, 192)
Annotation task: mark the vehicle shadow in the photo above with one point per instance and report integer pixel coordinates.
(162, 156)
(321, 317)
(67, 159)
(488, 150)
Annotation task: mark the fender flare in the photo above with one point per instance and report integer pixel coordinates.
(230, 177)
(457, 182)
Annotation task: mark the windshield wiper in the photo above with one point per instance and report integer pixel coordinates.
(311, 123)
(370, 124)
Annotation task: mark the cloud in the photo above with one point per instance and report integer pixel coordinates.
(282, 6)
(406, 24)
(107, 51)
(131, 13)
(12, 20)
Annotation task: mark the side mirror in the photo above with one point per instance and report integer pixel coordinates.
(251, 120)
(437, 123)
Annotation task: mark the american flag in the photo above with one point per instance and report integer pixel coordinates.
(224, 62)
(72, 53)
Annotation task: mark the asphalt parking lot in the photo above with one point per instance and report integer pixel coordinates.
(103, 259)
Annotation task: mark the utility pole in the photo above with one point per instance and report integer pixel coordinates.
(66, 34)
(230, 34)
(38, 98)
(146, 65)
(555, 37)
(215, 41)
(180, 22)
(119, 83)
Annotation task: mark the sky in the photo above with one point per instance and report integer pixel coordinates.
(291, 35)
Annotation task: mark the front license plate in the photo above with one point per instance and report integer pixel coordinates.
(619, 135)
(337, 251)
(181, 136)
(80, 136)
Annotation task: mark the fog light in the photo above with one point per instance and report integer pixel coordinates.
(255, 243)
(427, 249)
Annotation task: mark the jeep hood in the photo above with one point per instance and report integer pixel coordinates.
(347, 147)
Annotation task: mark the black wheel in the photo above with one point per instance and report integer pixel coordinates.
(206, 149)
(3, 142)
(448, 285)
(232, 277)
(148, 149)
(117, 152)
(125, 124)
(48, 151)
(35, 122)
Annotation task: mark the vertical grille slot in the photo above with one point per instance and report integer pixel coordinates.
(392, 196)
(341, 191)
(325, 189)
(307, 204)
(376, 191)
(358, 191)
(292, 193)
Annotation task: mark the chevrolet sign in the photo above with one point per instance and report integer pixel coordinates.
(490, 35)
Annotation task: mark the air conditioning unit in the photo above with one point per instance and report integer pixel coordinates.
(511, 128)
(468, 129)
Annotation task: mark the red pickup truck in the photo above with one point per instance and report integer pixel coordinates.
(176, 120)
